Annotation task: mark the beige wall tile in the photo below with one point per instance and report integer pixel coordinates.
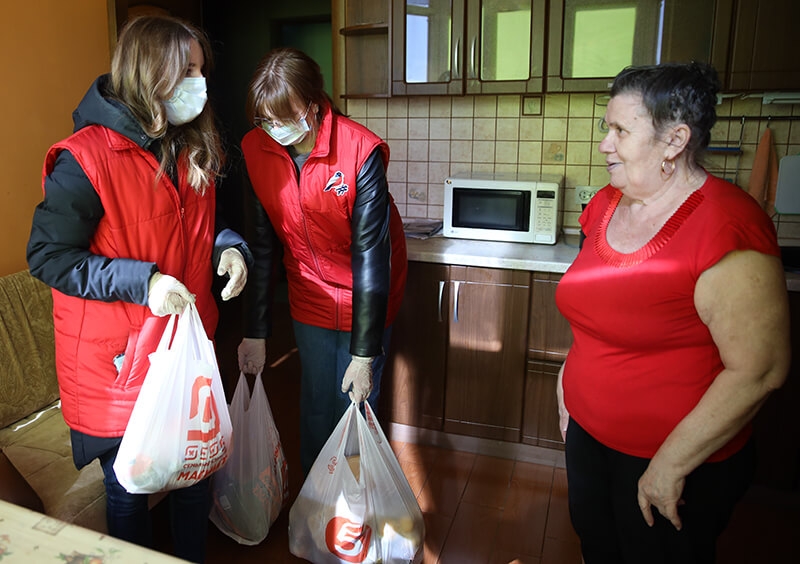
(484, 129)
(580, 129)
(461, 128)
(417, 173)
(507, 129)
(417, 194)
(440, 151)
(486, 106)
(376, 108)
(506, 152)
(418, 128)
(397, 171)
(378, 127)
(397, 108)
(398, 149)
(397, 128)
(530, 152)
(441, 107)
(463, 106)
(554, 129)
(461, 151)
(508, 106)
(530, 129)
(439, 128)
(556, 105)
(418, 150)
(581, 105)
(483, 152)
(357, 108)
(418, 106)
(437, 172)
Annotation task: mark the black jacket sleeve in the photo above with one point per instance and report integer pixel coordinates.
(62, 230)
(371, 257)
(264, 246)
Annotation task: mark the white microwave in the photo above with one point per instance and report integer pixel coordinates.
(518, 208)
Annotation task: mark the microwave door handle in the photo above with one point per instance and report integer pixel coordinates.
(456, 285)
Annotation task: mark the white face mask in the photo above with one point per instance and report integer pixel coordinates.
(288, 134)
(188, 100)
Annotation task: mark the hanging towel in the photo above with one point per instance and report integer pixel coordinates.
(764, 177)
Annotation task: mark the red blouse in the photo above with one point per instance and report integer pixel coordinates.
(641, 358)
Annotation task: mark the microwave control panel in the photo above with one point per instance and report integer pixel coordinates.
(545, 216)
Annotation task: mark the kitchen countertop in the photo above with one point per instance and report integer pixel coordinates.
(492, 254)
(516, 256)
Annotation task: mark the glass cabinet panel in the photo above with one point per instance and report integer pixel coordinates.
(590, 41)
(428, 40)
(467, 46)
(505, 40)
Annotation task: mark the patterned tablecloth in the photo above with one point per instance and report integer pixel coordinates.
(27, 537)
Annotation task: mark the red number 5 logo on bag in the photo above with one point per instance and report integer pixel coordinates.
(203, 404)
(348, 540)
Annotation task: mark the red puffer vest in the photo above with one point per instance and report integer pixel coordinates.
(142, 221)
(312, 218)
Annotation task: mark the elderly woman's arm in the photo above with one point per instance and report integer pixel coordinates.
(743, 301)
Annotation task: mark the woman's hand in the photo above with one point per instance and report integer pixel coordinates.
(232, 263)
(563, 414)
(661, 488)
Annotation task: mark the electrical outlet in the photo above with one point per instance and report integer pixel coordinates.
(585, 193)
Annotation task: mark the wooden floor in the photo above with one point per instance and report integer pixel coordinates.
(481, 509)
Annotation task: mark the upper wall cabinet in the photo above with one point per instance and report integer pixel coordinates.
(764, 46)
(468, 47)
(367, 48)
(590, 41)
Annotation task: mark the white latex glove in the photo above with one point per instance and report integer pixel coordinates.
(231, 262)
(359, 375)
(167, 296)
(252, 355)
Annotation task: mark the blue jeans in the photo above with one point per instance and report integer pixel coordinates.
(128, 515)
(324, 357)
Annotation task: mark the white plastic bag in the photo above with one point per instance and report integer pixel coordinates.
(250, 490)
(180, 429)
(356, 504)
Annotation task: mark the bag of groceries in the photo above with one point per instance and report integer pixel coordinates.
(250, 490)
(179, 431)
(356, 504)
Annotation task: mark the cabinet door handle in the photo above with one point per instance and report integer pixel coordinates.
(472, 70)
(456, 74)
(457, 285)
(441, 293)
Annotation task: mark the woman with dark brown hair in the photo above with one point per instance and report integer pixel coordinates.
(320, 184)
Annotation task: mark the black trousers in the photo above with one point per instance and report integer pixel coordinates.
(605, 512)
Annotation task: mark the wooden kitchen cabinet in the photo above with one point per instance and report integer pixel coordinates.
(468, 46)
(458, 352)
(540, 416)
(367, 48)
(414, 377)
(590, 41)
(549, 339)
(763, 38)
(486, 352)
(549, 334)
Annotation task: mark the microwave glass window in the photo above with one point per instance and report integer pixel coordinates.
(491, 209)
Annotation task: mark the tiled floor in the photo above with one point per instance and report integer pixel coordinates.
(480, 509)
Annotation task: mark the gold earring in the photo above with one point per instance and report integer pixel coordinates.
(667, 167)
